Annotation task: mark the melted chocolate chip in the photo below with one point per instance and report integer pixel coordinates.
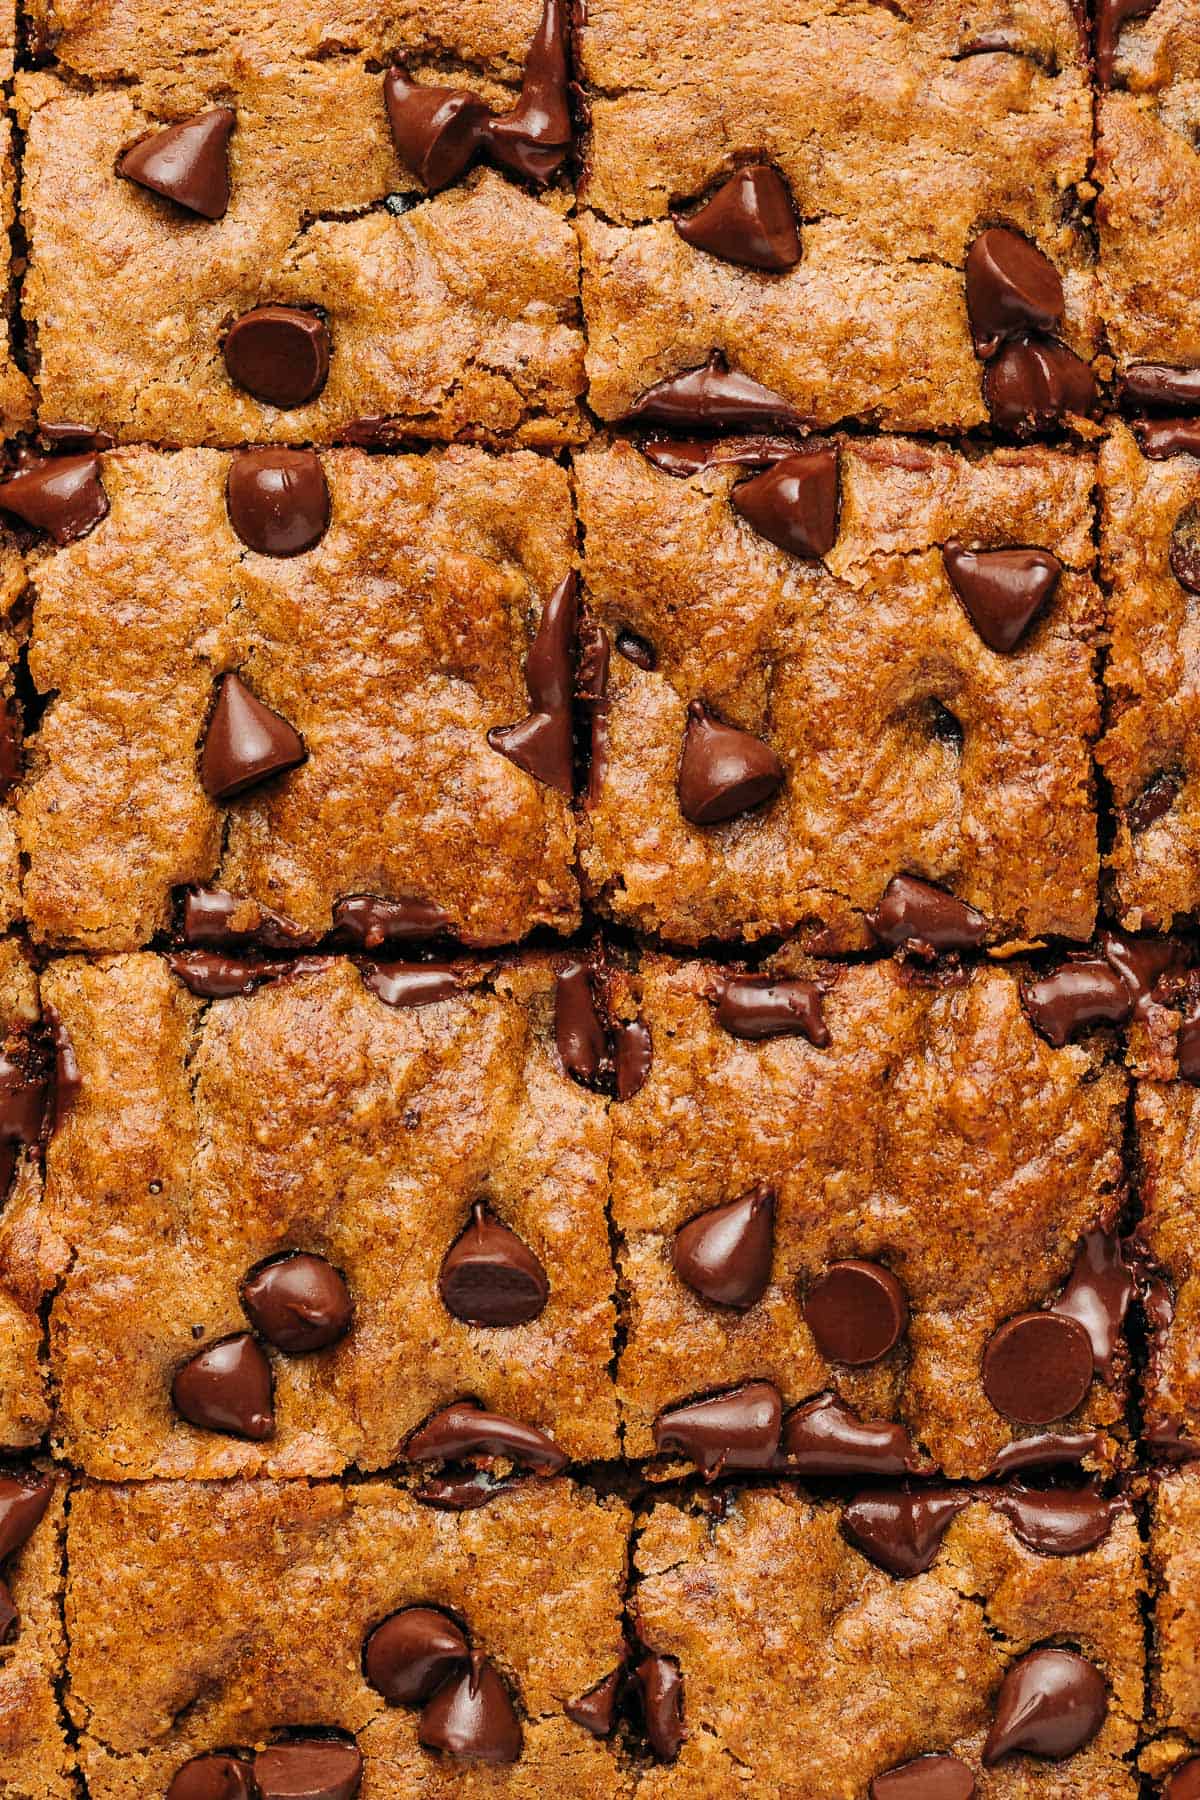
(227, 1388)
(758, 1007)
(659, 1685)
(1110, 16)
(1097, 1294)
(279, 354)
(794, 503)
(277, 500)
(1035, 383)
(926, 917)
(68, 1078)
(856, 1312)
(824, 1437)
(63, 496)
(187, 162)
(1051, 1703)
(597, 1710)
(298, 1302)
(1058, 1521)
(208, 915)
(471, 1717)
(215, 1777)
(1184, 1782)
(926, 1778)
(1046, 1450)
(1168, 437)
(533, 140)
(309, 1769)
(578, 1032)
(411, 984)
(246, 742)
(461, 1430)
(633, 1054)
(902, 1532)
(737, 1429)
(1079, 994)
(409, 1655)
(712, 398)
(489, 1277)
(1142, 962)
(543, 743)
(1011, 288)
(12, 748)
(724, 1254)
(749, 220)
(1155, 801)
(437, 131)
(22, 1104)
(636, 650)
(723, 771)
(214, 976)
(1037, 1367)
(460, 1493)
(1184, 552)
(367, 922)
(684, 457)
(23, 1503)
(1002, 591)
(1157, 387)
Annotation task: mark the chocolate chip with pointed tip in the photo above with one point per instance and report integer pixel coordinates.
(1037, 1367)
(713, 397)
(724, 1254)
(309, 1769)
(1183, 1783)
(1098, 1292)
(461, 1430)
(437, 131)
(213, 1776)
(490, 1277)
(277, 500)
(1035, 383)
(63, 496)
(227, 1387)
(280, 354)
(578, 1032)
(932, 1777)
(367, 921)
(736, 1429)
(1077, 995)
(471, 1717)
(1158, 387)
(750, 220)
(723, 771)
(1184, 551)
(902, 1532)
(187, 162)
(1051, 1703)
(596, 1710)
(1159, 438)
(409, 1654)
(760, 1007)
(1045, 1450)
(23, 1506)
(245, 743)
(659, 1684)
(533, 139)
(298, 1302)
(633, 1055)
(794, 503)
(927, 917)
(1110, 16)
(1011, 287)
(1057, 1521)
(824, 1437)
(406, 985)
(1002, 591)
(857, 1312)
(542, 744)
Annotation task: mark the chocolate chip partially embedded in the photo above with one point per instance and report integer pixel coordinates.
(1051, 1703)
(1079, 994)
(298, 1302)
(309, 1769)
(63, 496)
(1011, 287)
(279, 354)
(1110, 16)
(1057, 1521)
(1037, 1367)
(824, 1437)
(578, 1033)
(794, 503)
(437, 131)
(737, 1429)
(278, 500)
(489, 1277)
(723, 771)
(1035, 383)
(411, 984)
(636, 650)
(68, 1077)
(533, 140)
(543, 743)
(712, 398)
(187, 162)
(857, 1312)
(902, 1532)
(1184, 1782)
(410, 1654)
(246, 742)
(596, 1710)
(659, 1684)
(724, 1254)
(927, 917)
(208, 915)
(1002, 591)
(1159, 438)
(1155, 801)
(471, 1717)
(684, 457)
(1160, 388)
(227, 1388)
(926, 1778)
(23, 1504)
(460, 1493)
(749, 220)
(633, 1054)
(215, 976)
(461, 1430)
(1141, 962)
(759, 1007)
(1184, 552)
(215, 1777)
(1046, 1450)
(1098, 1292)
(367, 921)
(12, 746)
(22, 1103)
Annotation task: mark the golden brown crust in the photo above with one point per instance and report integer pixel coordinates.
(35, 1760)
(1168, 1119)
(1174, 1549)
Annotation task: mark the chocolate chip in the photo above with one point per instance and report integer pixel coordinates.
(1155, 801)
(366, 921)
(737, 1429)
(309, 1769)
(298, 1302)
(543, 743)
(724, 1254)
(1159, 438)
(489, 1277)
(1097, 1294)
(22, 1104)
(684, 457)
(1037, 1367)
(902, 1532)
(208, 915)
(471, 1717)
(712, 398)
(68, 1079)
(596, 1710)
(927, 917)
(1184, 553)
(1184, 1782)
(279, 354)
(1046, 1450)
(215, 1777)
(187, 162)
(1002, 591)
(636, 650)
(758, 1007)
(409, 1655)
(437, 131)
(214, 976)
(749, 220)
(1035, 383)
(1079, 994)
(278, 500)
(1110, 16)
(23, 1503)
(462, 1430)
(1188, 1048)
(578, 1032)
(460, 1493)
(1057, 1521)
(533, 140)
(411, 984)
(246, 742)
(633, 1054)
(74, 437)
(856, 1312)
(1159, 388)
(1051, 1703)
(227, 1388)
(723, 771)
(659, 1685)
(1011, 288)
(794, 503)
(12, 748)
(824, 1437)
(926, 1778)
(63, 496)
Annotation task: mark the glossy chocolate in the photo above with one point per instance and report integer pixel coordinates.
(1110, 16)
(1037, 1367)
(280, 354)
(1098, 1292)
(309, 1769)
(227, 1387)
(659, 1685)
(208, 915)
(597, 1710)
(1002, 591)
(62, 496)
(1046, 1450)
(685, 457)
(490, 1277)
(187, 162)
(1159, 438)
(794, 503)
(246, 742)
(1077, 995)
(1057, 1521)
(68, 1077)
(724, 1254)
(277, 500)
(214, 1777)
(824, 1437)
(23, 1503)
(914, 912)
(749, 220)
(713, 397)
(1183, 1783)
(298, 1302)
(759, 1007)
(737, 1429)
(461, 1431)
(857, 1311)
(408, 1656)
(902, 1532)
(437, 131)
(471, 1717)
(1011, 288)
(723, 771)
(1034, 384)
(633, 1054)
(926, 1778)
(1051, 1703)
(411, 984)
(533, 140)
(366, 921)
(578, 1033)
(543, 743)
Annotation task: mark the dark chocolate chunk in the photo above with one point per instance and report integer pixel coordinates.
(926, 1778)
(23, 1503)
(1168, 437)
(794, 503)
(1110, 16)
(461, 1430)
(1079, 994)
(712, 398)
(636, 650)
(215, 1777)
(1141, 962)
(597, 1710)
(215, 976)
(737, 1429)
(1155, 800)
(1097, 1294)
(1046, 1450)
(309, 1769)
(366, 921)
(684, 457)
(277, 500)
(227, 1388)
(437, 131)
(1011, 288)
(659, 1685)
(927, 917)
(533, 140)
(578, 1032)
(1035, 383)
(902, 1532)
(63, 496)
(1051, 1703)
(1184, 552)
(246, 742)
(857, 1312)
(724, 1254)
(543, 743)
(1002, 591)
(1057, 1521)
(208, 915)
(411, 984)
(22, 1103)
(749, 220)
(489, 1277)
(68, 1077)
(757, 1007)
(279, 354)
(409, 1655)
(824, 1437)
(1157, 387)
(633, 1054)
(187, 162)
(723, 771)
(298, 1302)
(1037, 1367)
(1183, 1783)
(74, 437)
